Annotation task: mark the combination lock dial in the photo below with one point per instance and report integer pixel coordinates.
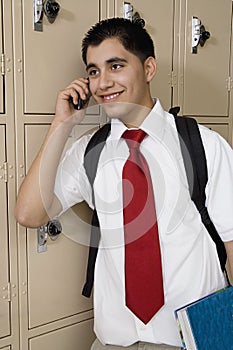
(54, 228)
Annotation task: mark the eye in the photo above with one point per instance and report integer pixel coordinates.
(93, 72)
(116, 66)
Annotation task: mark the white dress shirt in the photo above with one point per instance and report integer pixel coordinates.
(190, 263)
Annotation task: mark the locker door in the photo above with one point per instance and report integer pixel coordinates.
(52, 58)
(58, 339)
(5, 327)
(158, 16)
(51, 281)
(2, 58)
(56, 276)
(204, 87)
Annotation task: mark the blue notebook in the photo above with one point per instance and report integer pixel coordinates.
(207, 324)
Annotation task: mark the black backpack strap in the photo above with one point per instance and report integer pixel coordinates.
(91, 160)
(174, 110)
(197, 174)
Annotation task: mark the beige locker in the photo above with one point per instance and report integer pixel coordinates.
(5, 327)
(6, 348)
(2, 67)
(201, 83)
(62, 267)
(52, 291)
(9, 324)
(55, 59)
(65, 338)
(158, 18)
(204, 82)
(51, 304)
(52, 312)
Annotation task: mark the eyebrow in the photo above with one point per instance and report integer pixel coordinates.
(110, 60)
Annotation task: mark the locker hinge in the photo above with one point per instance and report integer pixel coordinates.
(173, 81)
(7, 292)
(229, 81)
(3, 64)
(5, 172)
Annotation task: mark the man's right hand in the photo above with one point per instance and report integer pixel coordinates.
(65, 112)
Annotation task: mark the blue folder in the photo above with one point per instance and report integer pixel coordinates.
(207, 324)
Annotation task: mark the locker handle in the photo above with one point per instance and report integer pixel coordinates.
(48, 7)
(204, 35)
(38, 15)
(52, 229)
(199, 34)
(129, 14)
(38, 10)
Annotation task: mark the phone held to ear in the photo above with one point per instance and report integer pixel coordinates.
(81, 103)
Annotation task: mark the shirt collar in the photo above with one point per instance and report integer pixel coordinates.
(153, 125)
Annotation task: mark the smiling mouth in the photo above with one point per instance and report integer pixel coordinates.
(110, 97)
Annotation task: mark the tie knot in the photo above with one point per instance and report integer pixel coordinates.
(134, 137)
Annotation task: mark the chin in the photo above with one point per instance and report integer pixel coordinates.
(112, 110)
(118, 109)
(125, 111)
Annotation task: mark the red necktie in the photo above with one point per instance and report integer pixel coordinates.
(143, 270)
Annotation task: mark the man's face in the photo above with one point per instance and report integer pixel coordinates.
(118, 79)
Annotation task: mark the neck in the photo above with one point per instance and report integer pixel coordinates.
(136, 117)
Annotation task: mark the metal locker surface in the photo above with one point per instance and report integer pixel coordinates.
(74, 337)
(55, 280)
(52, 58)
(158, 16)
(56, 276)
(51, 282)
(206, 73)
(5, 288)
(2, 62)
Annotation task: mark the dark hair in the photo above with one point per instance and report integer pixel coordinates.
(131, 34)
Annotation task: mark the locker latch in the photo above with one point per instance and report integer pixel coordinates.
(38, 15)
(129, 14)
(199, 34)
(128, 10)
(52, 229)
(48, 7)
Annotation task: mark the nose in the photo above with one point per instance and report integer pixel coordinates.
(105, 81)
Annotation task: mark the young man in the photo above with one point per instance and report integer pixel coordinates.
(120, 64)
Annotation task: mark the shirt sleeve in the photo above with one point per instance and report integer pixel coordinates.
(219, 189)
(71, 183)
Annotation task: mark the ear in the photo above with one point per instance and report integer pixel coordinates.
(150, 68)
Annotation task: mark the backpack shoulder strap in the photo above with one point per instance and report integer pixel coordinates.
(93, 151)
(91, 160)
(193, 153)
(194, 158)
